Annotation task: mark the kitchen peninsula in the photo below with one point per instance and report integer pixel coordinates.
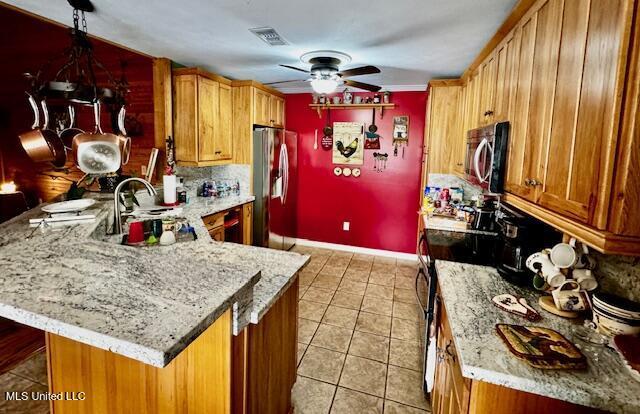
(153, 329)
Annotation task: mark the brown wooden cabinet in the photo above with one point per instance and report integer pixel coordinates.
(264, 360)
(238, 228)
(564, 74)
(202, 118)
(443, 134)
(253, 104)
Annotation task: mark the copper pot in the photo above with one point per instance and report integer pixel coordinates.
(43, 145)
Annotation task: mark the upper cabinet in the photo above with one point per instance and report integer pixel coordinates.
(254, 104)
(202, 118)
(268, 109)
(443, 133)
(564, 74)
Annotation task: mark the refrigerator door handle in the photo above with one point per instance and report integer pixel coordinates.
(284, 165)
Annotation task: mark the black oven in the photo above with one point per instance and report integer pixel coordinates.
(452, 246)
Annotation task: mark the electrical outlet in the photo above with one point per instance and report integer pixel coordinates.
(143, 170)
(346, 225)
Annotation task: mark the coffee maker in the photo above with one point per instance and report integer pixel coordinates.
(520, 236)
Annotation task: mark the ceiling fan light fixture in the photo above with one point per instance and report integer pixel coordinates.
(324, 85)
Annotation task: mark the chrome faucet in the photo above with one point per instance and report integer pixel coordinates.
(117, 217)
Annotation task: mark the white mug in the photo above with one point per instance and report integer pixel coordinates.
(569, 297)
(583, 260)
(540, 263)
(563, 255)
(585, 279)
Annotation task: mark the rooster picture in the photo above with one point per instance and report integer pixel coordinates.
(349, 150)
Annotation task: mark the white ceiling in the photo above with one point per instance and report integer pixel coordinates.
(412, 41)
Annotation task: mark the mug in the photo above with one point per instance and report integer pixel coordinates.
(569, 297)
(336, 100)
(357, 99)
(563, 255)
(583, 260)
(540, 263)
(585, 279)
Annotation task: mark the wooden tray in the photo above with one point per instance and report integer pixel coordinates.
(541, 347)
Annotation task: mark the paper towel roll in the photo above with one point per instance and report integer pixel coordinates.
(169, 184)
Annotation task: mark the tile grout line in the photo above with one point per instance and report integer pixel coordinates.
(333, 399)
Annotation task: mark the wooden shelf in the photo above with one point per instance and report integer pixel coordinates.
(381, 106)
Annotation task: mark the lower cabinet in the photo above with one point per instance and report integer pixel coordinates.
(453, 393)
(233, 225)
(264, 360)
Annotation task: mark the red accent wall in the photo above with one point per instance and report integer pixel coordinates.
(381, 206)
(27, 43)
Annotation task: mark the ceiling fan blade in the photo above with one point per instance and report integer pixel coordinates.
(287, 81)
(294, 68)
(362, 85)
(363, 70)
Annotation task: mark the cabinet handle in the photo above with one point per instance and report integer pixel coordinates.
(449, 353)
(527, 182)
(488, 113)
(535, 183)
(459, 164)
(218, 152)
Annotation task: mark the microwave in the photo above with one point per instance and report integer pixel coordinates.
(486, 156)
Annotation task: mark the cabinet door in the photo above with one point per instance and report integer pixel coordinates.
(185, 118)
(217, 233)
(247, 223)
(223, 142)
(443, 128)
(487, 90)
(276, 105)
(584, 110)
(208, 107)
(516, 172)
(534, 105)
(261, 108)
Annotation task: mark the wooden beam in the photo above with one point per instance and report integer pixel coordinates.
(162, 108)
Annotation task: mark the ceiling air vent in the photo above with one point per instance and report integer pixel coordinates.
(269, 36)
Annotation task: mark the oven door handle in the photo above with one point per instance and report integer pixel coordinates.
(426, 262)
(421, 271)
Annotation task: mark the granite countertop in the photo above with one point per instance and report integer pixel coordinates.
(442, 224)
(145, 303)
(467, 291)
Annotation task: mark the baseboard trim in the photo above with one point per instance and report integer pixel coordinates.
(357, 249)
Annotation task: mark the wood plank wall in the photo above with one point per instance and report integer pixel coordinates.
(27, 43)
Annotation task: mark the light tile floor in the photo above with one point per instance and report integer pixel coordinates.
(359, 345)
(359, 336)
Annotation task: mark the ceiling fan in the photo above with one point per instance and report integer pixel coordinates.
(326, 74)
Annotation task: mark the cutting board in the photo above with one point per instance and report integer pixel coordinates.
(541, 347)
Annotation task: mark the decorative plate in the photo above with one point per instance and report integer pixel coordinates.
(337, 171)
(356, 172)
(346, 171)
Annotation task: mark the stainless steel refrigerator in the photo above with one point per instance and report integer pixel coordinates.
(275, 163)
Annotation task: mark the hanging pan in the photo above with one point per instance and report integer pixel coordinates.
(42, 144)
(97, 152)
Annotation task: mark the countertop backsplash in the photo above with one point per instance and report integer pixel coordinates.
(450, 180)
(195, 176)
(619, 274)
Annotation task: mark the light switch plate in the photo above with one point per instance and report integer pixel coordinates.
(346, 225)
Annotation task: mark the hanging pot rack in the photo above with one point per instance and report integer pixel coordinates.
(76, 80)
